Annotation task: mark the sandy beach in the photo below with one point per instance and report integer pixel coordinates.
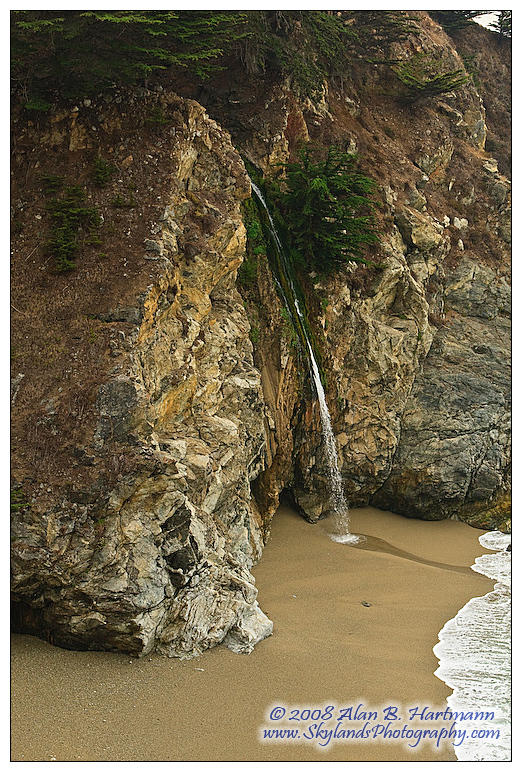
(351, 626)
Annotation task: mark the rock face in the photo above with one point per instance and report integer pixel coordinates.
(193, 433)
(454, 451)
(417, 230)
(375, 345)
(165, 564)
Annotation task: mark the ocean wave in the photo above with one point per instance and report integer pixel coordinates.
(474, 653)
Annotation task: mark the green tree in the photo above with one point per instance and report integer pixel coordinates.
(81, 52)
(453, 20)
(327, 209)
(308, 46)
(425, 77)
(69, 219)
(377, 31)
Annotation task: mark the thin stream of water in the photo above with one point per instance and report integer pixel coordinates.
(341, 518)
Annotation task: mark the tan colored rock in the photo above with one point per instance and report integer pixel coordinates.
(375, 348)
(171, 569)
(437, 161)
(418, 230)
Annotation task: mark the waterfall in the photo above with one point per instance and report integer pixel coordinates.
(341, 520)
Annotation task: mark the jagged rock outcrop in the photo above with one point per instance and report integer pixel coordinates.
(162, 561)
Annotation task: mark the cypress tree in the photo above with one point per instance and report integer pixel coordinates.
(328, 209)
(453, 20)
(77, 53)
(502, 24)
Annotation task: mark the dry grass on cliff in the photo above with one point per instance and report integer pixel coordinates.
(56, 335)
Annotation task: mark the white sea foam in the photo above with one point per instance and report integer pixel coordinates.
(474, 655)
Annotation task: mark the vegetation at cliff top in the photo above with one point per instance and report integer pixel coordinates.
(453, 20)
(376, 31)
(326, 207)
(307, 46)
(80, 53)
(502, 24)
(71, 54)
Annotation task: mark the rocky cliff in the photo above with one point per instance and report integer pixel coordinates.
(422, 418)
(159, 413)
(159, 556)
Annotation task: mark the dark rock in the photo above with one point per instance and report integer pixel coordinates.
(130, 315)
(152, 246)
(454, 448)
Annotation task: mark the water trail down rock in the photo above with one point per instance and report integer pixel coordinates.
(341, 519)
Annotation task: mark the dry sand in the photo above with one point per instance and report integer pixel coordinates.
(327, 648)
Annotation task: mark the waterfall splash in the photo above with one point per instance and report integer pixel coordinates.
(341, 517)
(341, 520)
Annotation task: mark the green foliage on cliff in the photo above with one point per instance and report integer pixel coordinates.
(471, 66)
(256, 245)
(19, 500)
(288, 329)
(327, 209)
(502, 24)
(455, 20)
(81, 52)
(122, 202)
(51, 183)
(424, 77)
(377, 31)
(102, 171)
(70, 218)
(307, 46)
(76, 53)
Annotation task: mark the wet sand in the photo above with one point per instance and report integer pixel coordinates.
(327, 648)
